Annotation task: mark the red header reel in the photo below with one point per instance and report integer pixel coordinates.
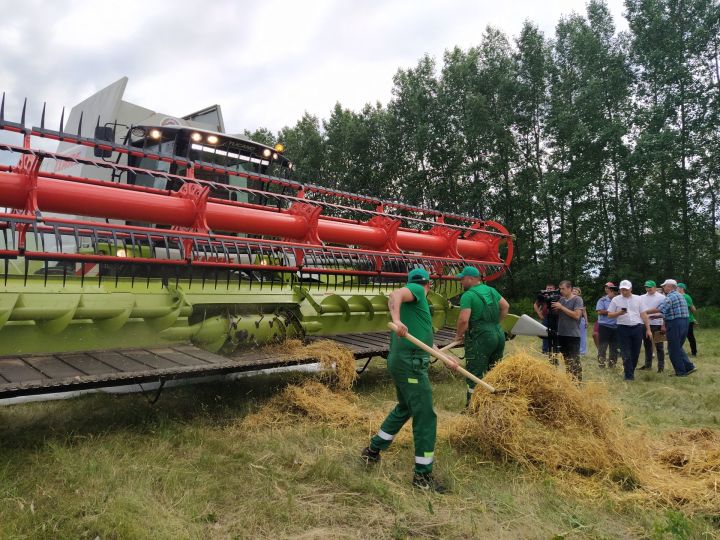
(302, 228)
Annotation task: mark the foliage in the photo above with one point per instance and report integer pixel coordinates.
(598, 149)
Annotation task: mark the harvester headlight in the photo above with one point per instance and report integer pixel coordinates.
(279, 148)
(291, 166)
(275, 156)
(121, 253)
(196, 137)
(267, 152)
(155, 134)
(213, 139)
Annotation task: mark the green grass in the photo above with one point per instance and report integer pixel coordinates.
(117, 467)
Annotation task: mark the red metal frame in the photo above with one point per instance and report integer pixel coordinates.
(191, 210)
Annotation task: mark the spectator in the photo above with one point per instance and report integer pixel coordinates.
(607, 327)
(569, 310)
(583, 324)
(652, 299)
(548, 318)
(691, 318)
(626, 309)
(675, 312)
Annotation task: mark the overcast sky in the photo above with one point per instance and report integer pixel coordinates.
(264, 62)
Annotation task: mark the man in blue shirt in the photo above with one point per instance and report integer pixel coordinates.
(607, 327)
(674, 310)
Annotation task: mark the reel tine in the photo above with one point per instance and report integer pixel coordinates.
(22, 115)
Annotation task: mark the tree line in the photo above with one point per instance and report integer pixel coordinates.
(599, 150)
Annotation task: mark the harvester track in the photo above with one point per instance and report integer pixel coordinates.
(27, 375)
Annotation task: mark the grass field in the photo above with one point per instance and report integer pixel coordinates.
(117, 467)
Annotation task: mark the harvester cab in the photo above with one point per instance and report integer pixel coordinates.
(149, 247)
(216, 151)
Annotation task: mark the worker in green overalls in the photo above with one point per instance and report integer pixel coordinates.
(481, 310)
(408, 366)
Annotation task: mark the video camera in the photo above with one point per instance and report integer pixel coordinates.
(548, 297)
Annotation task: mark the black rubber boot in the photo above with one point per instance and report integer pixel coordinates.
(369, 456)
(427, 482)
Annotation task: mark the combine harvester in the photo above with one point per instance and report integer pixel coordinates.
(149, 248)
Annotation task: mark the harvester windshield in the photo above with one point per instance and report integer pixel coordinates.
(229, 152)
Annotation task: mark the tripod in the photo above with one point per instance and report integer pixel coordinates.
(553, 347)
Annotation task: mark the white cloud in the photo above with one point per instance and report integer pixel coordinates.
(265, 63)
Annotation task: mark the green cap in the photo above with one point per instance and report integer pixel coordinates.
(469, 271)
(418, 275)
(650, 283)
(682, 286)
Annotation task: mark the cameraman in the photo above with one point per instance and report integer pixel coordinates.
(549, 319)
(569, 310)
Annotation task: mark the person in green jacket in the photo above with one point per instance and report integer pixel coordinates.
(481, 310)
(408, 366)
(691, 318)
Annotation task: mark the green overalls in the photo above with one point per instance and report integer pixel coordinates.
(484, 339)
(408, 366)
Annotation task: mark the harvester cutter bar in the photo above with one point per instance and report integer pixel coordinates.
(28, 375)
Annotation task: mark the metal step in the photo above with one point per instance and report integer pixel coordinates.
(27, 375)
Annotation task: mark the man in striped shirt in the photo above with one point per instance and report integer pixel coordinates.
(674, 310)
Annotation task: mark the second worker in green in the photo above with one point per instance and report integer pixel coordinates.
(481, 310)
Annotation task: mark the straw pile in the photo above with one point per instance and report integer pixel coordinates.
(544, 419)
(687, 470)
(327, 400)
(692, 451)
(310, 401)
(337, 363)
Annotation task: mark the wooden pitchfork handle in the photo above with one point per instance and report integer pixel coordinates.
(437, 353)
(451, 345)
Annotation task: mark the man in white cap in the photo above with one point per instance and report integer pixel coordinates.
(675, 313)
(626, 309)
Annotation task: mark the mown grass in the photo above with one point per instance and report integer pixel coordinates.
(117, 467)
